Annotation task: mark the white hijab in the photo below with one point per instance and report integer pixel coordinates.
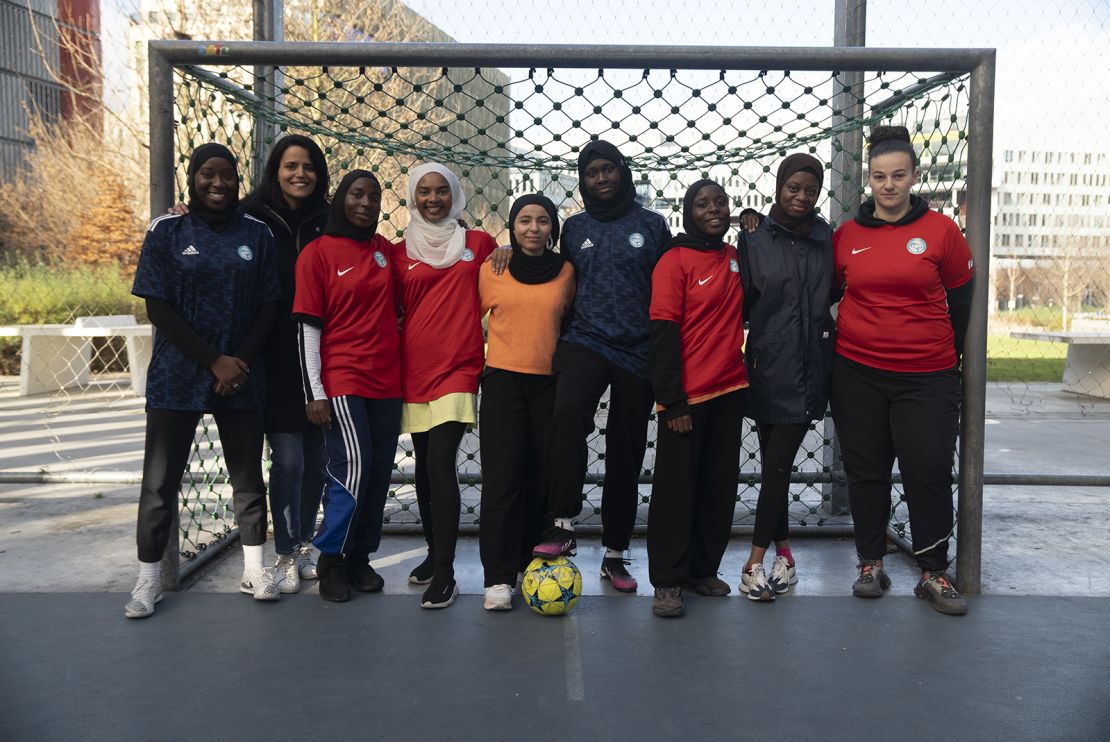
(438, 244)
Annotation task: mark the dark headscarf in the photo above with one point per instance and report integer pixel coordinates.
(796, 163)
(618, 205)
(338, 226)
(268, 193)
(532, 269)
(693, 237)
(215, 219)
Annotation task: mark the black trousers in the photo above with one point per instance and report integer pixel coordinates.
(516, 409)
(169, 442)
(583, 378)
(778, 445)
(881, 415)
(437, 491)
(693, 495)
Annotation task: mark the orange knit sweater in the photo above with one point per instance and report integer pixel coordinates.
(524, 319)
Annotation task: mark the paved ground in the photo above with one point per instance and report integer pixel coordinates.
(1025, 664)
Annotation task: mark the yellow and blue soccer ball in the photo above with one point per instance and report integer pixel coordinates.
(551, 587)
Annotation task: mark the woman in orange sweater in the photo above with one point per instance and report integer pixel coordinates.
(526, 307)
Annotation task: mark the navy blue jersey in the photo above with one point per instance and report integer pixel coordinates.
(613, 262)
(214, 280)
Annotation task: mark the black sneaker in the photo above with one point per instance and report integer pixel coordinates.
(872, 579)
(422, 573)
(668, 602)
(440, 594)
(614, 570)
(362, 576)
(556, 543)
(332, 573)
(712, 586)
(936, 588)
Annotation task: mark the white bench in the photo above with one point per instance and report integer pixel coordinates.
(1088, 367)
(57, 357)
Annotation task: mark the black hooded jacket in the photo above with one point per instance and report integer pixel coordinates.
(788, 290)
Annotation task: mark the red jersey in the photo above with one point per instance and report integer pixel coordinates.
(442, 349)
(347, 286)
(894, 314)
(700, 291)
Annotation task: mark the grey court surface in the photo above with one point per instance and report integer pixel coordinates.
(217, 666)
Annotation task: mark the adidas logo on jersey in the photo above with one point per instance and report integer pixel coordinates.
(190, 250)
(587, 243)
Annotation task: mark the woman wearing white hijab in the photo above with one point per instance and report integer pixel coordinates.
(435, 270)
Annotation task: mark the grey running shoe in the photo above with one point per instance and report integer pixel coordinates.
(936, 588)
(871, 580)
(711, 586)
(782, 576)
(287, 574)
(753, 583)
(306, 562)
(260, 584)
(667, 602)
(143, 597)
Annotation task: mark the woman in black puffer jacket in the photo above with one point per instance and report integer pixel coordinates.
(787, 268)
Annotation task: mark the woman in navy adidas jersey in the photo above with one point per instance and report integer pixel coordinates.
(435, 271)
(292, 200)
(210, 283)
(787, 267)
(349, 348)
(907, 277)
(697, 373)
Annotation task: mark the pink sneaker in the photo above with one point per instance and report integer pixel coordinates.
(613, 569)
(556, 543)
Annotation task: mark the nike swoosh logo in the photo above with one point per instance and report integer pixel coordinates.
(346, 271)
(413, 266)
(703, 281)
(856, 251)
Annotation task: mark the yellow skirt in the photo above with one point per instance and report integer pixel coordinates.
(420, 417)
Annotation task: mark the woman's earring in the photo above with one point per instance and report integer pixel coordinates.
(550, 243)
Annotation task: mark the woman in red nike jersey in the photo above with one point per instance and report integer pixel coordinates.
(907, 276)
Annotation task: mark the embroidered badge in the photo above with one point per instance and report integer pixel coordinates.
(916, 246)
(467, 254)
(636, 239)
(245, 252)
(379, 259)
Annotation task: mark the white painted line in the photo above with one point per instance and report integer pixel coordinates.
(399, 557)
(576, 688)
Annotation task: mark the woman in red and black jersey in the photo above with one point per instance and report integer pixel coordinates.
(435, 273)
(697, 373)
(349, 346)
(907, 276)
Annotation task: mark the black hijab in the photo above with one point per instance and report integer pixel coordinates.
(795, 163)
(618, 205)
(216, 219)
(338, 226)
(692, 237)
(533, 269)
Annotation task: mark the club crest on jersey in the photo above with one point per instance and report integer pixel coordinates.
(733, 265)
(379, 259)
(636, 239)
(245, 252)
(467, 254)
(916, 246)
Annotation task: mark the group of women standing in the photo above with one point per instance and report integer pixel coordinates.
(385, 339)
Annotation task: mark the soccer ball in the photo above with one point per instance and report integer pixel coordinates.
(551, 587)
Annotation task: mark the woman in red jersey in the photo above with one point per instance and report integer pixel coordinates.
(907, 276)
(349, 346)
(435, 270)
(697, 372)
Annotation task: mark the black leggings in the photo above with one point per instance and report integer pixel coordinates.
(437, 491)
(169, 441)
(778, 445)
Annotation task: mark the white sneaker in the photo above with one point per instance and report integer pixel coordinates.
(259, 583)
(782, 576)
(498, 598)
(306, 562)
(286, 573)
(754, 584)
(147, 592)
